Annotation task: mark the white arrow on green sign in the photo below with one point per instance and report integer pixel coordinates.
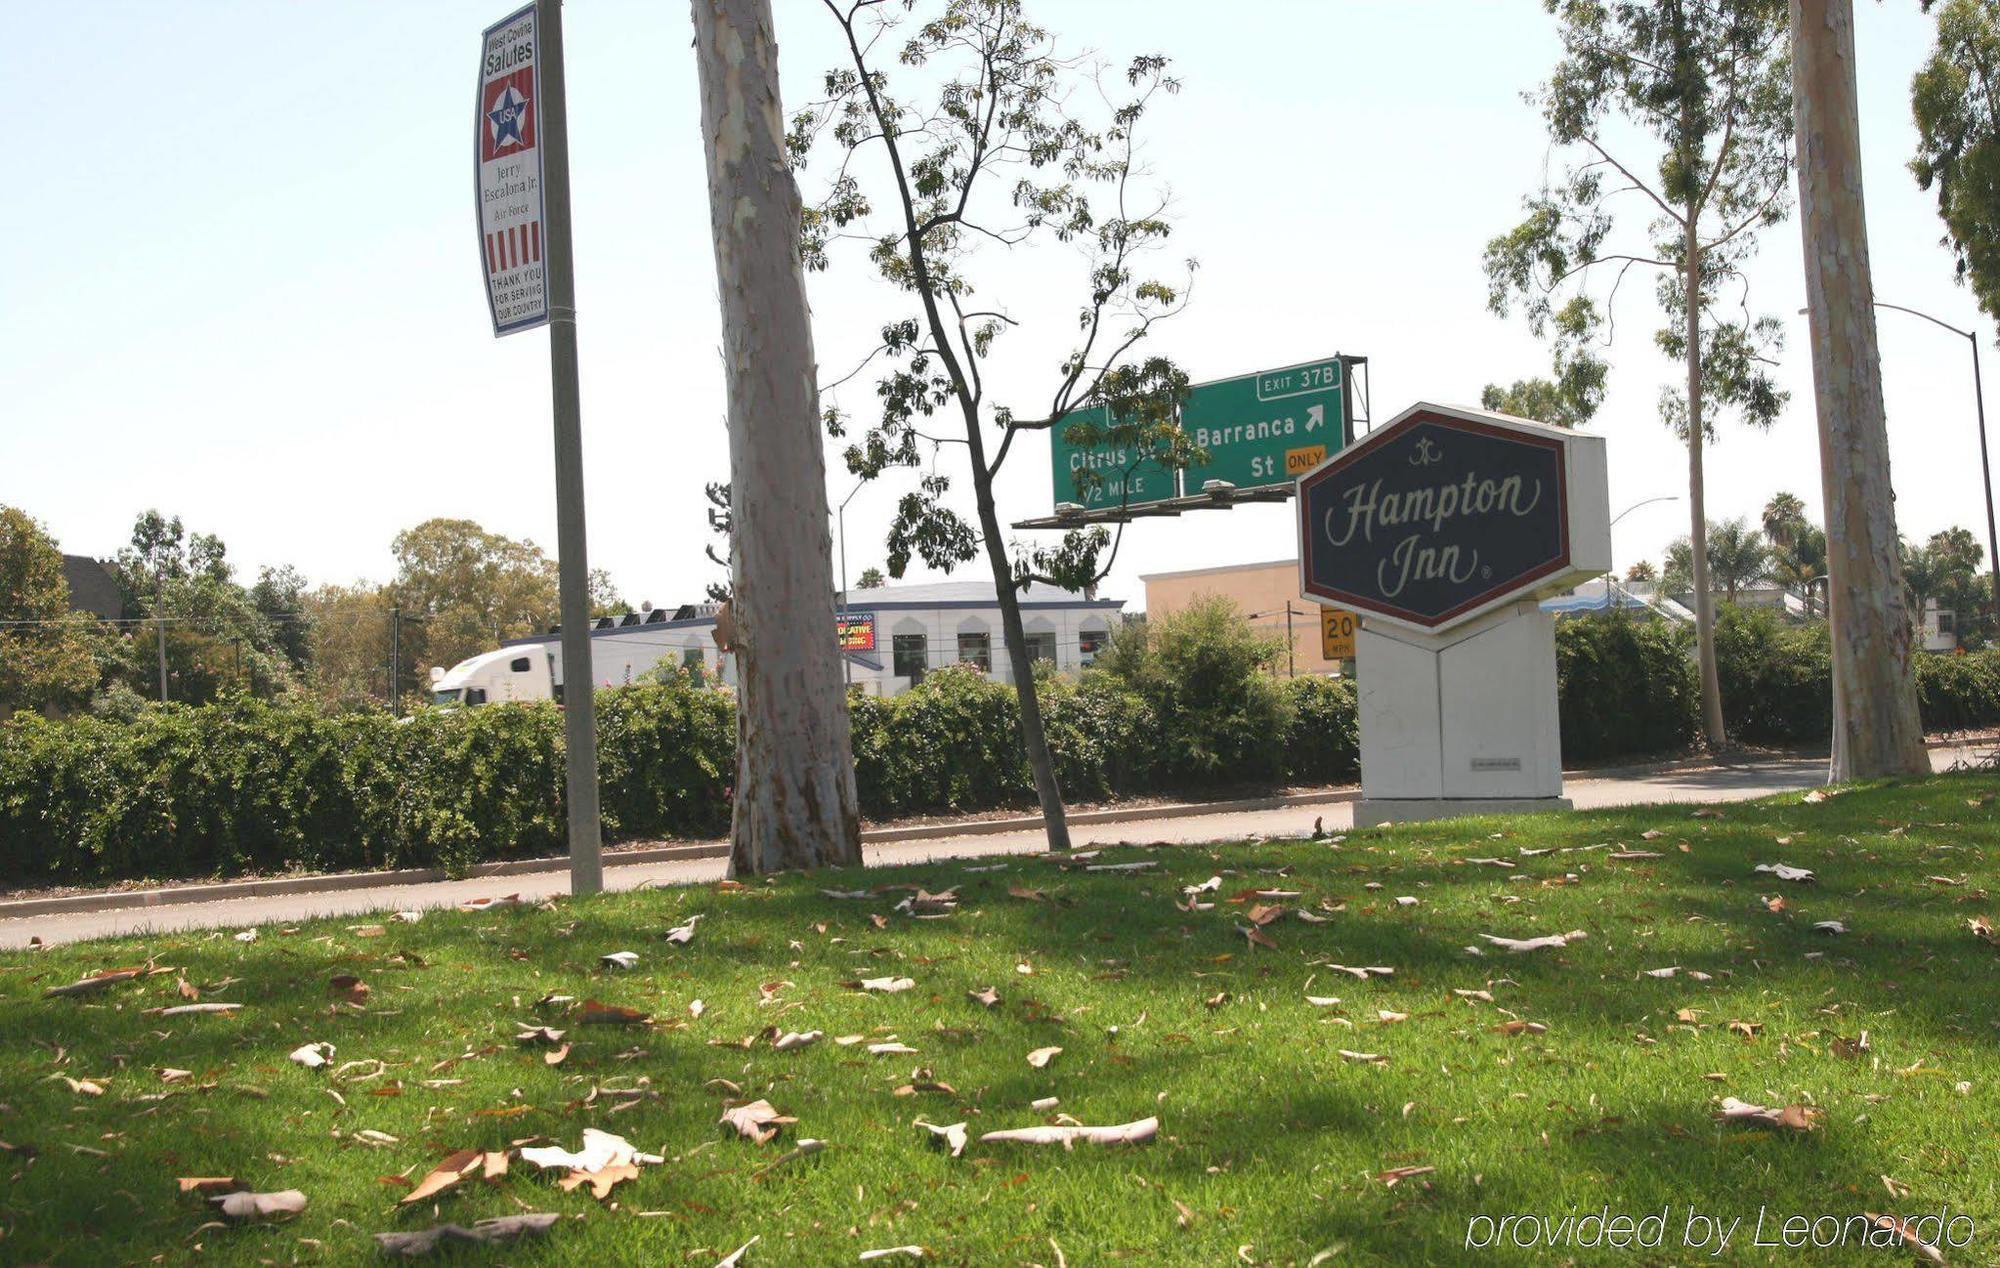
(1268, 428)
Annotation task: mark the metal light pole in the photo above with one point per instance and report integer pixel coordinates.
(395, 661)
(1665, 497)
(160, 622)
(1985, 463)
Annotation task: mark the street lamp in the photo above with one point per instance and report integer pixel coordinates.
(1985, 464)
(1610, 585)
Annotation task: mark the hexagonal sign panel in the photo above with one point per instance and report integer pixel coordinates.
(1441, 515)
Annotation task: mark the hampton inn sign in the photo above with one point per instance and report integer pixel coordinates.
(1435, 519)
(1441, 529)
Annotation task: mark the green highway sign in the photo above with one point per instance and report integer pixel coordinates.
(1266, 429)
(1126, 476)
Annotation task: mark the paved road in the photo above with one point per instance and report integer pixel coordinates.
(1725, 783)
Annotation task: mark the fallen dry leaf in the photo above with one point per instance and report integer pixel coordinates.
(735, 1257)
(1041, 1057)
(601, 1181)
(184, 1010)
(490, 904)
(1548, 941)
(446, 1174)
(682, 934)
(1366, 1058)
(1363, 973)
(758, 1121)
(1256, 937)
(596, 1014)
(1802, 1118)
(986, 995)
(1908, 1234)
(1135, 1133)
(1516, 1026)
(951, 1136)
(794, 1039)
(1786, 872)
(600, 1149)
(260, 1206)
(95, 982)
(1396, 1175)
(507, 1228)
(889, 985)
(208, 1185)
(349, 987)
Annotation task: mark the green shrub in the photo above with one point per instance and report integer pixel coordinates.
(1206, 675)
(1102, 736)
(1626, 686)
(1322, 736)
(1959, 692)
(951, 743)
(1777, 679)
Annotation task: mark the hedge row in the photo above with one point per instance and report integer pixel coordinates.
(251, 785)
(247, 785)
(1630, 688)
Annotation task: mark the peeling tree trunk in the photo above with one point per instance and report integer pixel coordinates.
(795, 801)
(1704, 592)
(1876, 730)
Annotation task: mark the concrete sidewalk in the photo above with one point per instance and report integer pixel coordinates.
(1143, 825)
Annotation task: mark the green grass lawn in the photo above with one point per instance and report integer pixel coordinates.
(1271, 1144)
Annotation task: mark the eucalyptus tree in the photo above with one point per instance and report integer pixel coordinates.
(1876, 727)
(1673, 121)
(795, 803)
(1958, 139)
(958, 138)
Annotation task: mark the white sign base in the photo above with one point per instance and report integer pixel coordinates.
(1459, 723)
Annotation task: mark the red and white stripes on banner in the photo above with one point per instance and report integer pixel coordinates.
(513, 247)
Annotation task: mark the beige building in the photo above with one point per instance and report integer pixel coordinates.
(1263, 591)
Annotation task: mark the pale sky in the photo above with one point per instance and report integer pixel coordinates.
(242, 284)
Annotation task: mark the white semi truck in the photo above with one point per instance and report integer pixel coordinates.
(622, 650)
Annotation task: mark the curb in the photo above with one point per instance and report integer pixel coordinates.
(78, 904)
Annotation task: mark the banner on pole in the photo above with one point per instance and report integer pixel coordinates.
(512, 223)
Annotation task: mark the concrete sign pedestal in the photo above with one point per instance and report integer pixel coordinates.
(1442, 529)
(1459, 723)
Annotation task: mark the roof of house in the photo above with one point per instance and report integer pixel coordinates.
(928, 596)
(964, 594)
(93, 587)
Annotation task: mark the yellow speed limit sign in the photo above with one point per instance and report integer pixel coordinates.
(1336, 633)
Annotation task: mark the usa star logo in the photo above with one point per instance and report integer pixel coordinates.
(509, 111)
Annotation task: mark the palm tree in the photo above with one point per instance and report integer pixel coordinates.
(1737, 556)
(1642, 571)
(1800, 564)
(1924, 574)
(1784, 519)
